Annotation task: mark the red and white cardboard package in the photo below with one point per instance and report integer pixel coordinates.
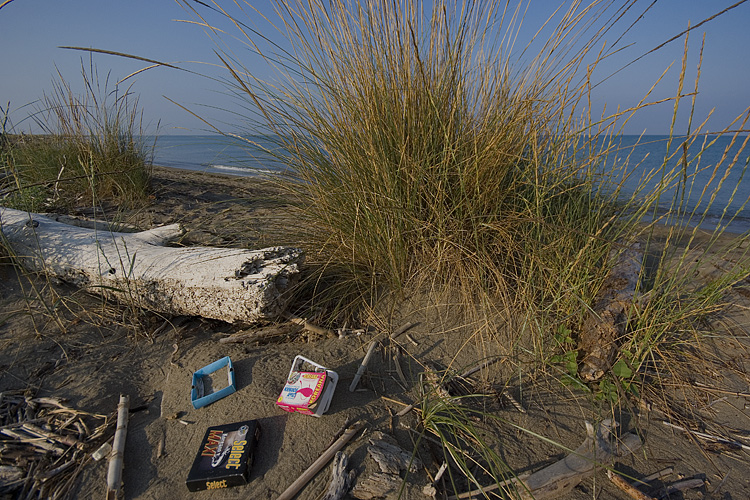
(308, 392)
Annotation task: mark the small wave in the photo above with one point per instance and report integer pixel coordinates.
(243, 170)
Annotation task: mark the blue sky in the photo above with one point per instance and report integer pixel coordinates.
(32, 30)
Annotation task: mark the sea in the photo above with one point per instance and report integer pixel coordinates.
(715, 196)
(215, 154)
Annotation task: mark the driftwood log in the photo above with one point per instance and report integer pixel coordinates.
(228, 284)
(606, 323)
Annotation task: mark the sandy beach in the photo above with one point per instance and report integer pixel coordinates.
(100, 355)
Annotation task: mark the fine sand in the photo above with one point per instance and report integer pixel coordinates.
(100, 356)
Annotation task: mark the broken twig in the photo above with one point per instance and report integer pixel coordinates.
(687, 484)
(628, 488)
(709, 437)
(403, 329)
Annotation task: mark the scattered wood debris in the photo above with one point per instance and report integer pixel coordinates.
(321, 462)
(642, 489)
(45, 444)
(731, 443)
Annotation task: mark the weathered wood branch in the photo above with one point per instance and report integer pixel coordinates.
(390, 457)
(263, 335)
(596, 451)
(377, 485)
(628, 488)
(607, 320)
(228, 284)
(341, 480)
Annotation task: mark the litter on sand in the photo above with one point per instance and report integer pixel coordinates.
(308, 392)
(203, 391)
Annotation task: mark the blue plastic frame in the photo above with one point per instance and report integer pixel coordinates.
(206, 399)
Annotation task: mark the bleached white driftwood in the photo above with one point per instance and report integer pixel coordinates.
(228, 284)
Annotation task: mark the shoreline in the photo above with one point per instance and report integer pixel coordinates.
(737, 227)
(223, 170)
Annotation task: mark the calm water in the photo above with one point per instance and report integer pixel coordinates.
(715, 188)
(213, 154)
(221, 155)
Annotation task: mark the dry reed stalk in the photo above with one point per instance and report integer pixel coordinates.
(114, 472)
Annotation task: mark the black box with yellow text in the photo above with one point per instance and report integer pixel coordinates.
(225, 456)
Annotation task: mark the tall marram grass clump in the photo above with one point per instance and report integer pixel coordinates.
(433, 154)
(423, 158)
(91, 150)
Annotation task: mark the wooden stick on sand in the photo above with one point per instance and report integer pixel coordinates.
(114, 473)
(321, 462)
(363, 365)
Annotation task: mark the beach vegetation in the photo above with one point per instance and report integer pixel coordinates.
(428, 155)
(432, 160)
(90, 149)
(90, 156)
(434, 163)
(421, 157)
